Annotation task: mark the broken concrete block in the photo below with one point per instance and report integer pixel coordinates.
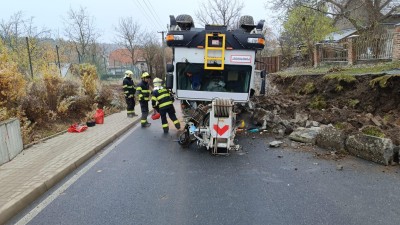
(375, 149)
(305, 135)
(275, 144)
(331, 138)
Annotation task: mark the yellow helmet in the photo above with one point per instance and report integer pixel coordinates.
(157, 81)
(128, 73)
(145, 74)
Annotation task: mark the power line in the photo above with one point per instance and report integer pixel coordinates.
(148, 12)
(138, 5)
(154, 11)
(151, 10)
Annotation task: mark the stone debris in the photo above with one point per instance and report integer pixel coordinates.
(275, 144)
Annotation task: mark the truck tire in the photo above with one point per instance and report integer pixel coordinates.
(184, 21)
(246, 20)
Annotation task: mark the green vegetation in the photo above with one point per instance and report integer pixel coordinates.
(339, 88)
(303, 71)
(336, 70)
(340, 126)
(373, 131)
(387, 118)
(318, 102)
(341, 77)
(308, 88)
(353, 102)
(382, 80)
(307, 26)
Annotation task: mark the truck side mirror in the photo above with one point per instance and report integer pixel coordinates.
(262, 89)
(169, 80)
(263, 76)
(170, 68)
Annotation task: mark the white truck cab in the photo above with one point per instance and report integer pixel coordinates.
(215, 65)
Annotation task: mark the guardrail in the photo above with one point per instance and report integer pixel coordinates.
(10, 140)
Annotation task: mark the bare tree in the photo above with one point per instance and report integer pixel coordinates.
(13, 33)
(81, 31)
(223, 12)
(127, 35)
(12, 30)
(362, 14)
(151, 49)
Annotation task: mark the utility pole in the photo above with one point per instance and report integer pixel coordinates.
(58, 60)
(163, 52)
(29, 55)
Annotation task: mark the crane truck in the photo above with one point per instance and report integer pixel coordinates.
(213, 69)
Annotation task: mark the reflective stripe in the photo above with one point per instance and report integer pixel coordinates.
(176, 121)
(125, 86)
(143, 121)
(138, 88)
(153, 98)
(165, 125)
(146, 91)
(165, 104)
(130, 111)
(126, 92)
(162, 96)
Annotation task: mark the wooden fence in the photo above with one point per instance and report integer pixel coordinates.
(270, 64)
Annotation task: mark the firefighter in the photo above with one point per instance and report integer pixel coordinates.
(129, 92)
(143, 91)
(162, 101)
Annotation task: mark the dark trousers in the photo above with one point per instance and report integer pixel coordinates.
(144, 106)
(130, 102)
(171, 113)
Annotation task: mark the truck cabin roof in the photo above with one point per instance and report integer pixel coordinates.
(235, 39)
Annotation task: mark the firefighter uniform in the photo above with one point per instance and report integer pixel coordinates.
(162, 101)
(129, 92)
(143, 91)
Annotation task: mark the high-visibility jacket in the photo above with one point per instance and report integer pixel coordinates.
(143, 90)
(128, 87)
(161, 99)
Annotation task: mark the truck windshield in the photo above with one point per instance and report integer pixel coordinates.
(234, 78)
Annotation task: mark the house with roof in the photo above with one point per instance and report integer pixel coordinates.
(120, 60)
(348, 45)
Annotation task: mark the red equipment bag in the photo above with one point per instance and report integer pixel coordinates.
(156, 115)
(76, 128)
(99, 116)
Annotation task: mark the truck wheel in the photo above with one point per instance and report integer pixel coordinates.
(184, 21)
(246, 20)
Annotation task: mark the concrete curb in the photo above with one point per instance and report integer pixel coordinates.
(12, 208)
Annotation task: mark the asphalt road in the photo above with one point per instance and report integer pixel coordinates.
(148, 179)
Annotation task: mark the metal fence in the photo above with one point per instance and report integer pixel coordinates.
(374, 47)
(333, 52)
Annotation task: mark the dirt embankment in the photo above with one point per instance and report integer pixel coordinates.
(350, 103)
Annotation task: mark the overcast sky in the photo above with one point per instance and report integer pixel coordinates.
(152, 14)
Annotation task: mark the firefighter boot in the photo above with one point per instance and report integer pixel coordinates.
(147, 124)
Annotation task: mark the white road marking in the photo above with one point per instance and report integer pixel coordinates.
(42, 205)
